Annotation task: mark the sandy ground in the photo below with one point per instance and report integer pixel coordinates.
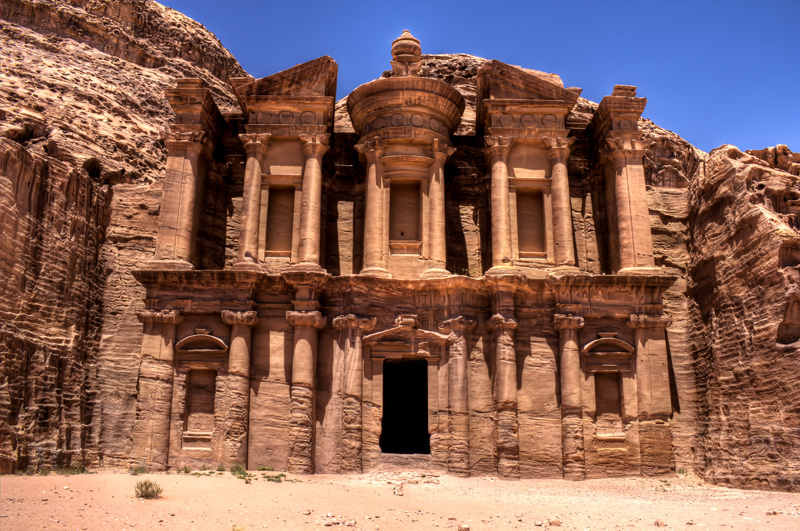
(385, 501)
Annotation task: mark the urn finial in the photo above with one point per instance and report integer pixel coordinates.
(406, 53)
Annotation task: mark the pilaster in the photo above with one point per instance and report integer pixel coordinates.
(374, 259)
(255, 147)
(496, 151)
(235, 428)
(351, 330)
(563, 235)
(151, 432)
(458, 393)
(314, 148)
(572, 444)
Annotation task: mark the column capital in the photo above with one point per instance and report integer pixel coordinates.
(557, 147)
(191, 141)
(349, 321)
(497, 147)
(458, 324)
(567, 322)
(498, 323)
(310, 319)
(172, 317)
(315, 145)
(441, 150)
(640, 320)
(371, 148)
(623, 147)
(255, 144)
(239, 318)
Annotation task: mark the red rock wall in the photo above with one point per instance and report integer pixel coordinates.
(743, 289)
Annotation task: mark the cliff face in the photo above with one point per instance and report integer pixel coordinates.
(82, 122)
(82, 119)
(745, 251)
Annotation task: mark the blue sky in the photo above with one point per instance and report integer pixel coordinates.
(713, 72)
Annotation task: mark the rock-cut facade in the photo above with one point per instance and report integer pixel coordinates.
(409, 290)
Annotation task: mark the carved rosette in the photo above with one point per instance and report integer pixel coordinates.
(233, 318)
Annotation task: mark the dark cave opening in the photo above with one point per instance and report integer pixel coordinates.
(405, 408)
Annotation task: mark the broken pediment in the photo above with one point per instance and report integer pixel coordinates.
(406, 340)
(313, 78)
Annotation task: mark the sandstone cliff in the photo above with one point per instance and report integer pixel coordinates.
(82, 120)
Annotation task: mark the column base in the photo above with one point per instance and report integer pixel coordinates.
(435, 272)
(306, 267)
(246, 266)
(377, 272)
(168, 265)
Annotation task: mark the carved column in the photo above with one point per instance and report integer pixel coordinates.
(506, 396)
(255, 146)
(234, 433)
(630, 197)
(653, 392)
(304, 368)
(572, 445)
(176, 221)
(497, 149)
(563, 236)
(436, 220)
(351, 330)
(458, 391)
(374, 260)
(151, 432)
(314, 147)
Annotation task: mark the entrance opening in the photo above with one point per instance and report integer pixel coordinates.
(405, 408)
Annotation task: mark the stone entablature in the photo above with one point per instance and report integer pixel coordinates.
(538, 367)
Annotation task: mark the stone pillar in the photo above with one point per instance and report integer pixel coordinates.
(176, 221)
(314, 147)
(436, 220)
(255, 146)
(304, 368)
(497, 149)
(563, 236)
(630, 197)
(151, 433)
(458, 394)
(235, 430)
(653, 392)
(505, 359)
(374, 259)
(351, 330)
(572, 445)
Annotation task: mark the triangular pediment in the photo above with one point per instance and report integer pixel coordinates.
(313, 78)
(498, 80)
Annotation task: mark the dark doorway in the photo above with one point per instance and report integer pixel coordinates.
(405, 408)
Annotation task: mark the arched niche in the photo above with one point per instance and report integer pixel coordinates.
(607, 354)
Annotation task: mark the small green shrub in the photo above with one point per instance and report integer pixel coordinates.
(681, 471)
(275, 478)
(73, 470)
(147, 489)
(267, 468)
(136, 470)
(220, 468)
(239, 471)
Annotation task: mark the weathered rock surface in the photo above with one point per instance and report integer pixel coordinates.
(82, 121)
(82, 107)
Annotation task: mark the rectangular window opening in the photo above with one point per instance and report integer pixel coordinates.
(280, 222)
(531, 225)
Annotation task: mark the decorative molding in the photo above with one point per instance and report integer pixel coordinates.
(239, 318)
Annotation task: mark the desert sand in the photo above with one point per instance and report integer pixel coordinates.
(385, 501)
